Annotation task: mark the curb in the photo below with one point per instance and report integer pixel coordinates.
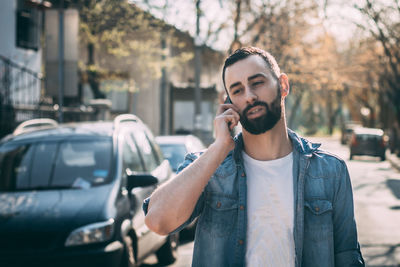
(393, 159)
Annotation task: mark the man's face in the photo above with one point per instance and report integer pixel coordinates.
(256, 92)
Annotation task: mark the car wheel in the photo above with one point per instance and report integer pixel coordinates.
(167, 254)
(383, 157)
(351, 156)
(128, 256)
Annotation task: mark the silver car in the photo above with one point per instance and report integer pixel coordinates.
(175, 147)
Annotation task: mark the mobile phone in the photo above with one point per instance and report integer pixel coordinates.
(228, 100)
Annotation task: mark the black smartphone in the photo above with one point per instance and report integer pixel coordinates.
(228, 100)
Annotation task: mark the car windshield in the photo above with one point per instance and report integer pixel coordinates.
(174, 153)
(55, 164)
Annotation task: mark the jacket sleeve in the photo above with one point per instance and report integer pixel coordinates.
(200, 203)
(347, 249)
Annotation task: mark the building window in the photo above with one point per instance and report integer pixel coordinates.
(27, 26)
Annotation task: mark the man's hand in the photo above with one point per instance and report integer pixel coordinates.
(227, 118)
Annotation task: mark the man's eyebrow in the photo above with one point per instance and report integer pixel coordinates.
(257, 76)
(234, 84)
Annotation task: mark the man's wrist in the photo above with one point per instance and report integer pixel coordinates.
(221, 146)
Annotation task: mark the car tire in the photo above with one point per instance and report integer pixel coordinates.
(128, 255)
(383, 157)
(167, 254)
(351, 156)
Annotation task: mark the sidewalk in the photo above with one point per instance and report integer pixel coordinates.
(393, 159)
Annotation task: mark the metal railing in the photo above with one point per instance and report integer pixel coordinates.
(22, 98)
(19, 85)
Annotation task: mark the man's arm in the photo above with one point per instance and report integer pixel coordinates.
(347, 249)
(172, 204)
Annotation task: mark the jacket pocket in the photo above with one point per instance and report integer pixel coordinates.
(318, 218)
(318, 245)
(219, 216)
(318, 206)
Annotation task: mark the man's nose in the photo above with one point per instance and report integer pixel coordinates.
(251, 97)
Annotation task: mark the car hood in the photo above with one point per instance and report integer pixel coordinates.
(53, 210)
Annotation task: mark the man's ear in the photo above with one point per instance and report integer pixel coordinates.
(284, 82)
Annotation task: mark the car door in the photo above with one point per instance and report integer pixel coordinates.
(148, 241)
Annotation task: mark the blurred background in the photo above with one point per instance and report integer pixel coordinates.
(79, 60)
(161, 60)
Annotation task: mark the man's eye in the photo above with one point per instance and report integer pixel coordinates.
(257, 83)
(236, 91)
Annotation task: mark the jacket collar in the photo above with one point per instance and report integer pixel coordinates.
(300, 144)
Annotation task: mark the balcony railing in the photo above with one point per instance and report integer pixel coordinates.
(19, 85)
(22, 98)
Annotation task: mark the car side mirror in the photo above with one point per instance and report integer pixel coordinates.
(139, 179)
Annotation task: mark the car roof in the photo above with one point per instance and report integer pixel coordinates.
(76, 129)
(173, 139)
(370, 131)
(64, 130)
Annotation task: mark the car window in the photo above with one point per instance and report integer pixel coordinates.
(131, 157)
(82, 161)
(14, 166)
(50, 165)
(146, 150)
(43, 157)
(156, 148)
(174, 153)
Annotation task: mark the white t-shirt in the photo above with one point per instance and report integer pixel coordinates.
(270, 212)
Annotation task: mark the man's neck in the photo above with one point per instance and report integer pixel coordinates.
(272, 144)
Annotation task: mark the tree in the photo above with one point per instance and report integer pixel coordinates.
(383, 24)
(292, 30)
(121, 30)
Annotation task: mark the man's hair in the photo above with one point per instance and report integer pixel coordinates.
(245, 52)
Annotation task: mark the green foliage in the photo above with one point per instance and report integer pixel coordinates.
(121, 32)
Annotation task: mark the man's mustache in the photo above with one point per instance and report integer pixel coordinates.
(256, 103)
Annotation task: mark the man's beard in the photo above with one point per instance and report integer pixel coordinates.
(265, 122)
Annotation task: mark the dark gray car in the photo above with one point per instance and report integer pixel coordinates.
(71, 194)
(369, 142)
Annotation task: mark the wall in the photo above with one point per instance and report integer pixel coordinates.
(26, 57)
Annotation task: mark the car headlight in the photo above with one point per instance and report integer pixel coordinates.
(92, 233)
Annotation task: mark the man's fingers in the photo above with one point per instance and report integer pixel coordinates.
(231, 120)
(232, 112)
(223, 107)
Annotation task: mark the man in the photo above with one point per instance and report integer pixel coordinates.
(267, 197)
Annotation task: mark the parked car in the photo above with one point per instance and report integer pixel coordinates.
(368, 141)
(71, 194)
(347, 132)
(175, 147)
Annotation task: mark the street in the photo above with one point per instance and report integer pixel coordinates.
(376, 188)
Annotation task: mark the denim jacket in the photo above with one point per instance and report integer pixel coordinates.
(325, 231)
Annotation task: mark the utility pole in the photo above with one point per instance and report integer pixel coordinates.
(163, 86)
(60, 61)
(197, 74)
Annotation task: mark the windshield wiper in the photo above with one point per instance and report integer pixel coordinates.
(44, 188)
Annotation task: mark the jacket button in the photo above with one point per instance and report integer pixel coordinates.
(316, 209)
(241, 242)
(243, 174)
(218, 204)
(241, 207)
